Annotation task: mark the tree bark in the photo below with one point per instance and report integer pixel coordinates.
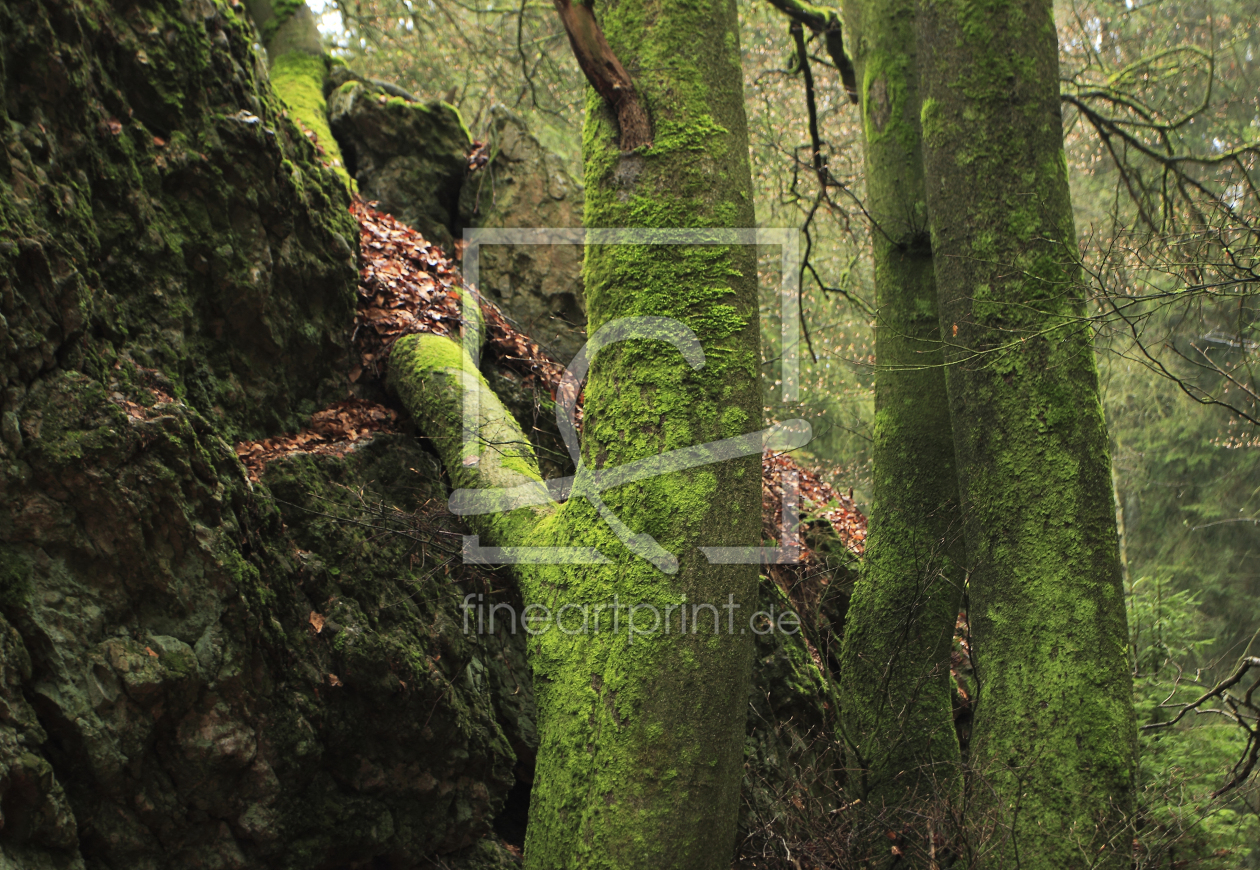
(1053, 747)
(642, 739)
(605, 73)
(298, 67)
(285, 26)
(641, 745)
(895, 659)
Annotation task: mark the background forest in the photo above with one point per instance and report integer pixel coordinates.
(1162, 110)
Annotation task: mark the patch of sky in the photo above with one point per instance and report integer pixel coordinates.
(328, 18)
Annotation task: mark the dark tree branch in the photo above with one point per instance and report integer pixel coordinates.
(802, 57)
(1244, 711)
(826, 22)
(605, 73)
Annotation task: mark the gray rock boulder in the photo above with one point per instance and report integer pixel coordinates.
(525, 185)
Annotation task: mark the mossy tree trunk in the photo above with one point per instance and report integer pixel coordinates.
(299, 66)
(641, 739)
(1053, 748)
(285, 26)
(895, 657)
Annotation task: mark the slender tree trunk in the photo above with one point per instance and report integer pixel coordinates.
(1053, 747)
(898, 632)
(641, 737)
(285, 26)
(298, 67)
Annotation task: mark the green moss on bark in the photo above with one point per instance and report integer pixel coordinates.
(298, 78)
(641, 741)
(896, 653)
(433, 375)
(1053, 744)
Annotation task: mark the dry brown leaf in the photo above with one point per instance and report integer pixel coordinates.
(332, 432)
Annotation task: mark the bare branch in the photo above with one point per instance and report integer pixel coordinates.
(605, 73)
(1244, 712)
(826, 22)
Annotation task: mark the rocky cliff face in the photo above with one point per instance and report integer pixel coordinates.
(177, 272)
(159, 206)
(200, 667)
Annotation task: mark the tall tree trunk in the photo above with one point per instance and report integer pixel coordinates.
(642, 745)
(1053, 748)
(641, 738)
(895, 662)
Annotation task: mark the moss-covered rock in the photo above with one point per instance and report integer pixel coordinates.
(409, 156)
(39, 827)
(177, 272)
(184, 699)
(157, 204)
(420, 735)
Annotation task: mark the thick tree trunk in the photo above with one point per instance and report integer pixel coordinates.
(896, 653)
(642, 744)
(641, 738)
(1053, 748)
